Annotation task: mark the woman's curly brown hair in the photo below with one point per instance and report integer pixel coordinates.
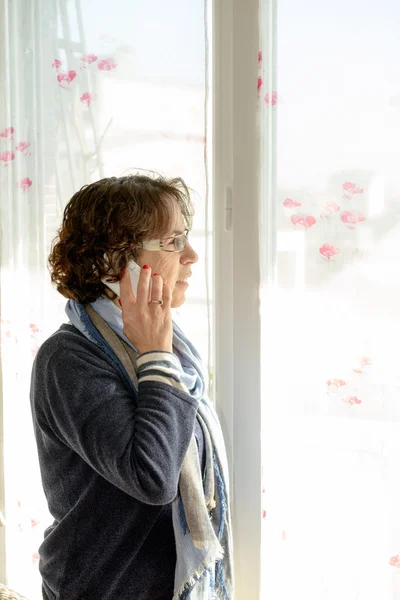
(112, 217)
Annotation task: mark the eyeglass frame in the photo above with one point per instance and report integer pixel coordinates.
(157, 245)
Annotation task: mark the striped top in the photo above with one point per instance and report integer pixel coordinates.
(163, 367)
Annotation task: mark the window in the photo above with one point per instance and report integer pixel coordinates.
(296, 110)
(88, 93)
(329, 96)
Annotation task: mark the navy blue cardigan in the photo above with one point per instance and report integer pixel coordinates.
(110, 461)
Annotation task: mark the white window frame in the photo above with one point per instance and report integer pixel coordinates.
(236, 318)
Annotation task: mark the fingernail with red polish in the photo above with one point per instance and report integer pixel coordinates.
(146, 267)
(120, 303)
(154, 274)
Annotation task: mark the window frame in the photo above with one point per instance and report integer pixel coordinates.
(236, 251)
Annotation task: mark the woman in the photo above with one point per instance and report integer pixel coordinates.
(131, 453)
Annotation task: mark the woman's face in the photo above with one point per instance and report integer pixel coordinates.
(172, 266)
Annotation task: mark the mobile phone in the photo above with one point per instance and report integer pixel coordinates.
(134, 273)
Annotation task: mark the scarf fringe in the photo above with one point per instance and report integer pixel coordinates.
(205, 565)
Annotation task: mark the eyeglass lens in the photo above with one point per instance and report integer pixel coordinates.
(180, 242)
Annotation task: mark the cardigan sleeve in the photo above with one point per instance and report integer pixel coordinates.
(136, 442)
(161, 366)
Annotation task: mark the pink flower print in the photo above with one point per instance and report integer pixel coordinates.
(259, 83)
(394, 561)
(7, 133)
(351, 189)
(64, 79)
(34, 523)
(25, 184)
(34, 351)
(107, 64)
(335, 384)
(351, 218)
(303, 220)
(6, 334)
(330, 208)
(56, 64)
(7, 156)
(87, 98)
(35, 558)
(289, 203)
(34, 328)
(23, 147)
(271, 100)
(89, 58)
(364, 362)
(327, 251)
(351, 400)
(264, 514)
(259, 56)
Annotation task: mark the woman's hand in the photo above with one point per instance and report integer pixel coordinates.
(147, 325)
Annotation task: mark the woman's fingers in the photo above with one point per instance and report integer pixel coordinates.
(157, 287)
(142, 296)
(159, 290)
(148, 326)
(167, 296)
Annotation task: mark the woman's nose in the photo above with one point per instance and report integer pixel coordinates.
(188, 254)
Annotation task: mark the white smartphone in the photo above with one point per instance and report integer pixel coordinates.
(134, 273)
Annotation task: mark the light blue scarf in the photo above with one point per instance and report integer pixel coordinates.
(204, 573)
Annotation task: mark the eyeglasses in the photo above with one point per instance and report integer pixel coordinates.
(172, 244)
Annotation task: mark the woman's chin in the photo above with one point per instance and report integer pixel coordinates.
(178, 298)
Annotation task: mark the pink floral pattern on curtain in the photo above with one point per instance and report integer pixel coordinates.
(96, 101)
(331, 320)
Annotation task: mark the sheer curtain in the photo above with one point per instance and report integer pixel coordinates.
(329, 101)
(89, 90)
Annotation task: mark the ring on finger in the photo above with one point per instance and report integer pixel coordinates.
(157, 301)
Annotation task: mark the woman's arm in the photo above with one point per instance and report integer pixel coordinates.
(137, 443)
